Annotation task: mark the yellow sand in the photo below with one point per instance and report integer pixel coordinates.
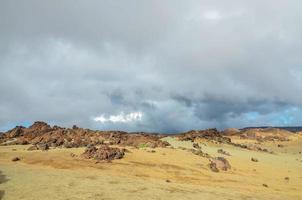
(166, 174)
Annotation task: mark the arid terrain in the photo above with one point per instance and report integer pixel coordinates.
(44, 162)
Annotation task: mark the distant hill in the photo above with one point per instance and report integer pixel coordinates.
(288, 128)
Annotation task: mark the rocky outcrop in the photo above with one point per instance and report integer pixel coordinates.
(209, 134)
(40, 133)
(104, 152)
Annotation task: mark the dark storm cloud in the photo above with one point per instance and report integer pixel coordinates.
(182, 64)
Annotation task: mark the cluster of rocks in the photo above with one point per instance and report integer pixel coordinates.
(251, 147)
(200, 153)
(215, 136)
(209, 134)
(104, 152)
(42, 136)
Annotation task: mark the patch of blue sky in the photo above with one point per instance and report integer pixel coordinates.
(9, 126)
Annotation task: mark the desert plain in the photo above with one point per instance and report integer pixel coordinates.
(256, 168)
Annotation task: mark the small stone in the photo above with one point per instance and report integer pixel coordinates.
(213, 167)
(72, 155)
(264, 185)
(168, 181)
(196, 146)
(286, 178)
(31, 148)
(254, 159)
(43, 147)
(16, 159)
(221, 151)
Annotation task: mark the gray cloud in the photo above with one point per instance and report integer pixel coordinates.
(183, 64)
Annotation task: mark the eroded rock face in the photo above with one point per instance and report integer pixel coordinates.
(15, 132)
(104, 152)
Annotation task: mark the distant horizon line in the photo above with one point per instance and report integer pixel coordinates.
(289, 128)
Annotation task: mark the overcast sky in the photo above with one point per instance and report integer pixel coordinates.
(157, 65)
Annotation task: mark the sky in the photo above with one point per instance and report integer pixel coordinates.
(158, 66)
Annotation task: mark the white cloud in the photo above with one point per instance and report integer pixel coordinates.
(212, 15)
(120, 118)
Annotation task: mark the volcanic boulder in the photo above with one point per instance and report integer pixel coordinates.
(219, 163)
(104, 152)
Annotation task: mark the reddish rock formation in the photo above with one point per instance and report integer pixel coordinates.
(40, 133)
(209, 134)
(104, 152)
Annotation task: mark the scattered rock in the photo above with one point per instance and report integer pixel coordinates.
(16, 159)
(254, 159)
(221, 151)
(32, 148)
(73, 155)
(196, 146)
(213, 167)
(43, 147)
(200, 153)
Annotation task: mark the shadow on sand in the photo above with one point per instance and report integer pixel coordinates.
(3, 179)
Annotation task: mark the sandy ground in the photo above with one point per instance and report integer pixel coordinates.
(167, 173)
